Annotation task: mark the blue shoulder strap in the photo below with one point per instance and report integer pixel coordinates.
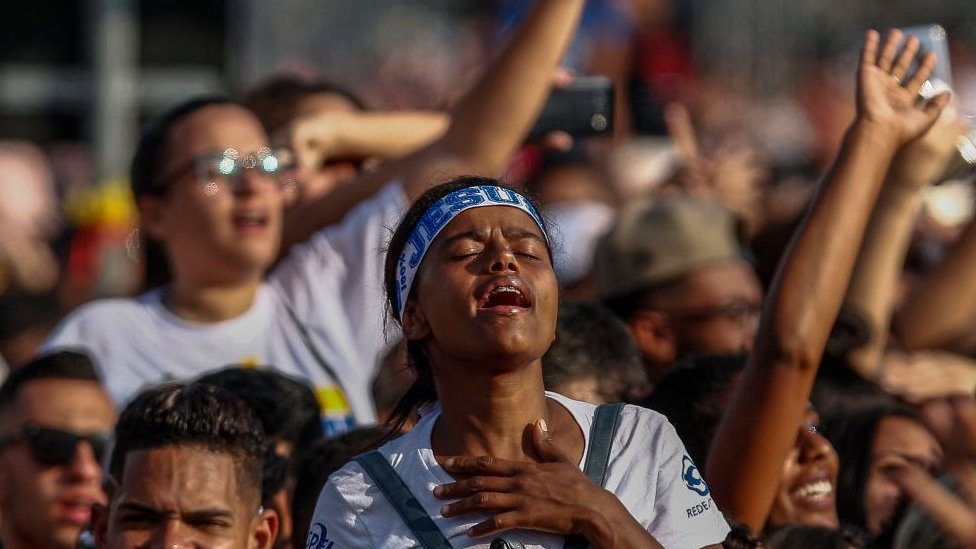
(406, 505)
(602, 431)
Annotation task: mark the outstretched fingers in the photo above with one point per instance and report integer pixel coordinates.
(869, 52)
(905, 59)
(925, 68)
(889, 50)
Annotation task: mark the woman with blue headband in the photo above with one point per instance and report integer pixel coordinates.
(494, 456)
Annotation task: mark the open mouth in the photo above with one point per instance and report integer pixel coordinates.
(504, 295)
(250, 221)
(76, 511)
(815, 493)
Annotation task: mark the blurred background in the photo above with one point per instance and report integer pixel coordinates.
(77, 77)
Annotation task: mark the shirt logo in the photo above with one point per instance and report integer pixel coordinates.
(692, 478)
(318, 537)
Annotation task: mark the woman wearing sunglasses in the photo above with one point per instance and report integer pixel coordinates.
(210, 193)
(469, 277)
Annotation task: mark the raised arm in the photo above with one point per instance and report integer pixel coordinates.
(879, 265)
(760, 424)
(944, 306)
(382, 135)
(486, 125)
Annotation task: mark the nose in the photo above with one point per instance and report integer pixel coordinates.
(172, 535)
(251, 181)
(813, 446)
(503, 260)
(84, 466)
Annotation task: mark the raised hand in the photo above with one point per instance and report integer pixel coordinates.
(954, 422)
(887, 95)
(550, 496)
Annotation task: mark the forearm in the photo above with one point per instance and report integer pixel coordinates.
(759, 426)
(386, 134)
(612, 526)
(945, 304)
(877, 271)
(490, 122)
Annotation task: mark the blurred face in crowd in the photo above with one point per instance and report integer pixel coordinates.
(807, 493)
(714, 309)
(184, 496)
(49, 478)
(211, 227)
(899, 442)
(486, 289)
(718, 309)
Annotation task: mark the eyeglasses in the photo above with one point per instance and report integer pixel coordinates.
(228, 167)
(736, 310)
(52, 447)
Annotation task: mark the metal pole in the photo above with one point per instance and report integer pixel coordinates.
(114, 46)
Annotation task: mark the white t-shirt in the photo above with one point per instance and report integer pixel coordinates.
(649, 471)
(332, 284)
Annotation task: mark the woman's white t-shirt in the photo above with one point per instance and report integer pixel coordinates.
(330, 286)
(649, 471)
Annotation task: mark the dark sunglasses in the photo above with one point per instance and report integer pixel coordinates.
(56, 447)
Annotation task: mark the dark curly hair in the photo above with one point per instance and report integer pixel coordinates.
(194, 415)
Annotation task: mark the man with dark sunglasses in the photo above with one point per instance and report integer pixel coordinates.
(55, 419)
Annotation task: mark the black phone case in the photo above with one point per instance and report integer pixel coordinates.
(582, 109)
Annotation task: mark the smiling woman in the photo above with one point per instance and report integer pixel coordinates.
(469, 277)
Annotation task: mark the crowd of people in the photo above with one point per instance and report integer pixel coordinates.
(361, 328)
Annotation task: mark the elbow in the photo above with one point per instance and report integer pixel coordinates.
(793, 349)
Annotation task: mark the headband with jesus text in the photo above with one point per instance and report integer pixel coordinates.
(437, 216)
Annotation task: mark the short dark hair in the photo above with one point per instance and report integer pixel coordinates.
(799, 536)
(592, 342)
(146, 169)
(275, 100)
(70, 365)
(286, 407)
(194, 415)
(691, 395)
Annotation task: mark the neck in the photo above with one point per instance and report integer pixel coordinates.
(487, 413)
(210, 303)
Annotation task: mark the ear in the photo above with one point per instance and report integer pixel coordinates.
(99, 521)
(152, 216)
(265, 530)
(655, 337)
(414, 321)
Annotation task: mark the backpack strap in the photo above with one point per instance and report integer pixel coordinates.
(605, 423)
(399, 496)
(604, 427)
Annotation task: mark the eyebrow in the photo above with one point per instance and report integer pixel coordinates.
(195, 515)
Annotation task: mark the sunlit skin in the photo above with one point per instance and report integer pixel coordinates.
(480, 247)
(898, 442)
(213, 235)
(813, 460)
(184, 496)
(48, 506)
(317, 183)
